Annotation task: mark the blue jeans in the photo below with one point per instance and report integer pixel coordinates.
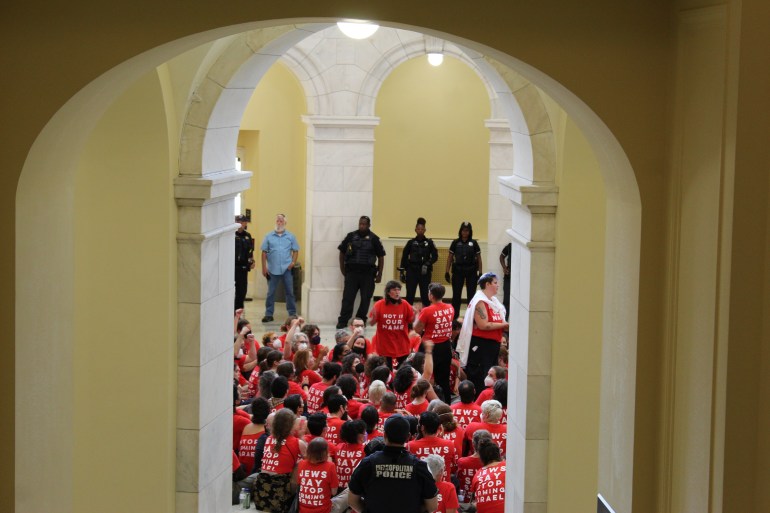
(288, 285)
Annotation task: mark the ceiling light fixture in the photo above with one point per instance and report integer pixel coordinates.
(435, 59)
(357, 29)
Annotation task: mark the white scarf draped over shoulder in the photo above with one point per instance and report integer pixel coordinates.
(464, 340)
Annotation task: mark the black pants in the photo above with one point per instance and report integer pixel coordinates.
(480, 360)
(442, 362)
(462, 276)
(241, 283)
(415, 277)
(355, 281)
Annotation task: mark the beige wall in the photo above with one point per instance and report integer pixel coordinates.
(125, 314)
(577, 329)
(431, 160)
(273, 138)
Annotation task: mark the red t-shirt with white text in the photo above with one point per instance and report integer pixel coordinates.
(464, 414)
(316, 481)
(499, 434)
(492, 316)
(488, 489)
(347, 457)
(447, 497)
(435, 445)
(437, 319)
(466, 469)
(315, 396)
(392, 327)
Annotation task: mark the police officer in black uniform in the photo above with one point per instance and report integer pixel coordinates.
(244, 260)
(464, 263)
(361, 263)
(417, 264)
(393, 480)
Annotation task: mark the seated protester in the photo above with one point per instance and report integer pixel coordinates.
(447, 495)
(350, 451)
(456, 373)
(430, 443)
(259, 450)
(337, 416)
(406, 492)
(271, 341)
(316, 426)
(286, 369)
(488, 486)
(272, 489)
(329, 392)
(502, 357)
(419, 403)
(493, 374)
(279, 389)
(358, 344)
(372, 362)
(417, 365)
(313, 333)
(491, 412)
(341, 337)
(371, 418)
(239, 473)
(384, 374)
(271, 361)
(348, 385)
(500, 395)
(265, 381)
(317, 479)
(387, 408)
(304, 364)
(468, 465)
(296, 339)
(466, 411)
(376, 391)
(285, 327)
(402, 385)
(247, 444)
(294, 403)
(329, 374)
(241, 419)
(450, 430)
(353, 365)
(357, 328)
(339, 352)
(268, 363)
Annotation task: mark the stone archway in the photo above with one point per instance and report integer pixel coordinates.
(207, 185)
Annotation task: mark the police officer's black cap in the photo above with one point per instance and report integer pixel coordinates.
(367, 219)
(397, 429)
(241, 219)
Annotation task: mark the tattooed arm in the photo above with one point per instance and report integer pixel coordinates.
(481, 319)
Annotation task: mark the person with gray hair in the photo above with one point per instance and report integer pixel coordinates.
(376, 390)
(467, 467)
(447, 495)
(279, 256)
(491, 412)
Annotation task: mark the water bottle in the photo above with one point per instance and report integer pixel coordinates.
(461, 496)
(245, 498)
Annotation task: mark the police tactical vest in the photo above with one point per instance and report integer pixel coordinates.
(243, 248)
(465, 253)
(360, 251)
(419, 252)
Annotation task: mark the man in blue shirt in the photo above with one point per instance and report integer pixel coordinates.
(279, 255)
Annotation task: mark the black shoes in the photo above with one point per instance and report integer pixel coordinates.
(267, 318)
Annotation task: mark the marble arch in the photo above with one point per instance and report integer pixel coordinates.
(342, 99)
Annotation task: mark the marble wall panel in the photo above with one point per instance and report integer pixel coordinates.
(542, 268)
(218, 149)
(328, 229)
(189, 271)
(328, 178)
(358, 179)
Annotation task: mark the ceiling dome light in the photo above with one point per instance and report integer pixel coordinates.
(357, 29)
(435, 59)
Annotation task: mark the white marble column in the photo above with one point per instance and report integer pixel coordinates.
(531, 318)
(499, 213)
(205, 250)
(339, 191)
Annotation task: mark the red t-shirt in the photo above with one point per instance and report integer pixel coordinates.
(464, 414)
(295, 388)
(312, 377)
(437, 319)
(435, 445)
(354, 408)
(333, 425)
(246, 449)
(254, 383)
(492, 316)
(236, 462)
(381, 423)
(455, 436)
(283, 462)
(347, 457)
(466, 469)
(374, 434)
(499, 434)
(485, 395)
(403, 399)
(417, 409)
(392, 328)
(316, 481)
(315, 396)
(488, 489)
(447, 497)
(239, 422)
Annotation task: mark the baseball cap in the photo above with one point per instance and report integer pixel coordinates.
(397, 429)
(241, 219)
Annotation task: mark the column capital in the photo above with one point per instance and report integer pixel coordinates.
(537, 198)
(342, 121)
(198, 189)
